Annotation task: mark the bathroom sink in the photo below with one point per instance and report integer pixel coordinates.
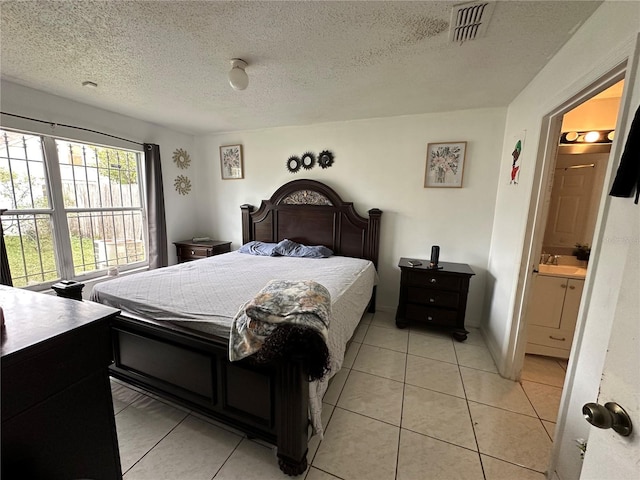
(562, 270)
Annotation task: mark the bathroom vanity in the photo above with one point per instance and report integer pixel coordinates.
(553, 310)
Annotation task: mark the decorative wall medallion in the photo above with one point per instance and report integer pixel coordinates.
(325, 159)
(294, 164)
(182, 159)
(182, 184)
(308, 160)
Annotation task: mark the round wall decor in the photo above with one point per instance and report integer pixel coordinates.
(294, 164)
(325, 159)
(308, 160)
(181, 158)
(182, 185)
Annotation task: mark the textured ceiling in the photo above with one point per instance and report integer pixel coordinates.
(309, 61)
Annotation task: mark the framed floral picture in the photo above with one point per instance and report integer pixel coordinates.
(231, 162)
(445, 164)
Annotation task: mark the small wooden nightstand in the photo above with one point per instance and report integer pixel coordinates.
(434, 297)
(188, 250)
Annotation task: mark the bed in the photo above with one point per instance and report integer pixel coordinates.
(181, 352)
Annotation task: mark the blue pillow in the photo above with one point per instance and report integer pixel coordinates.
(289, 248)
(259, 248)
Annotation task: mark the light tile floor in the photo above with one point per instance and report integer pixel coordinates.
(407, 404)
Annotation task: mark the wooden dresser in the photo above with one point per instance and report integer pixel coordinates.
(433, 297)
(188, 250)
(57, 412)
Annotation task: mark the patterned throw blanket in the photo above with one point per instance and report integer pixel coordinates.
(286, 319)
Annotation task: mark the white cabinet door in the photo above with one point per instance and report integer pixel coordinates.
(547, 301)
(571, 304)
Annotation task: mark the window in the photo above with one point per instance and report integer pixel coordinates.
(73, 209)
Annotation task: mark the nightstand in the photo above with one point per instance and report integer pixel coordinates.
(189, 250)
(434, 297)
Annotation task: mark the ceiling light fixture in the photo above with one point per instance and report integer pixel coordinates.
(238, 78)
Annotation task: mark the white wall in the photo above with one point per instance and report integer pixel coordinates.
(608, 37)
(608, 32)
(379, 163)
(27, 102)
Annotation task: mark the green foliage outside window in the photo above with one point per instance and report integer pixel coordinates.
(119, 166)
(33, 254)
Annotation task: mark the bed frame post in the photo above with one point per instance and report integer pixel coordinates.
(373, 234)
(246, 222)
(292, 418)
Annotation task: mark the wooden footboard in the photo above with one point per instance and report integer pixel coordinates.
(192, 369)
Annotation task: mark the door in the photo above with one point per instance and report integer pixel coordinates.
(570, 203)
(610, 455)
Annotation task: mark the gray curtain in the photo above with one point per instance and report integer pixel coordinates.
(158, 256)
(5, 271)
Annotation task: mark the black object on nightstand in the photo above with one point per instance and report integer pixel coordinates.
(434, 296)
(189, 250)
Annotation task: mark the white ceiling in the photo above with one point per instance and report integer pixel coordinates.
(309, 61)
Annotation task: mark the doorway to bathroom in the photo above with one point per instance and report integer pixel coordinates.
(572, 187)
(574, 193)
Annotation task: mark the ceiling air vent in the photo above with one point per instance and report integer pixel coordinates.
(469, 21)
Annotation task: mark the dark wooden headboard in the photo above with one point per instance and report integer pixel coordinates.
(310, 212)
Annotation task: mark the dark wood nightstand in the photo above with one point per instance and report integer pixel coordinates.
(434, 297)
(189, 250)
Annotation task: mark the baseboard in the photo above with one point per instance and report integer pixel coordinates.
(494, 350)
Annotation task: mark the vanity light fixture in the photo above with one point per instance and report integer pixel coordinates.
(571, 136)
(592, 136)
(587, 137)
(238, 78)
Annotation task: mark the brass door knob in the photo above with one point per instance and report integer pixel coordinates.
(611, 415)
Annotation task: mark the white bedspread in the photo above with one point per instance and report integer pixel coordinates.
(206, 294)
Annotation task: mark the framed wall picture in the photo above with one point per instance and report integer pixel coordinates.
(445, 164)
(231, 162)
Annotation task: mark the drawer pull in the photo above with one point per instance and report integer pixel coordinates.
(564, 285)
(430, 318)
(556, 338)
(432, 280)
(193, 252)
(572, 287)
(432, 300)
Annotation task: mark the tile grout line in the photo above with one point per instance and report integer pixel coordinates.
(537, 414)
(516, 464)
(228, 457)
(404, 387)
(337, 399)
(504, 409)
(157, 443)
(539, 383)
(466, 397)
